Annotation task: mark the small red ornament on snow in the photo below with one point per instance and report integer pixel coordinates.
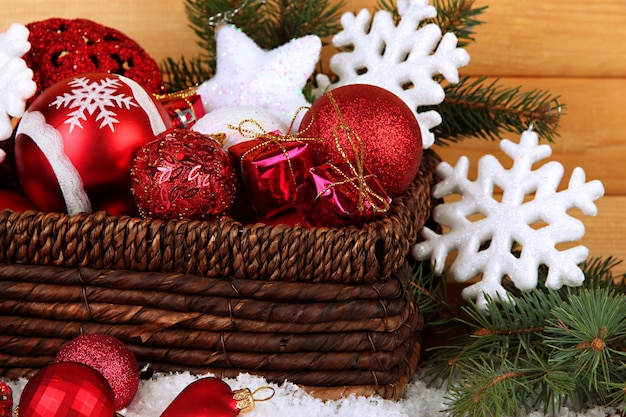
(6, 400)
(63, 48)
(109, 356)
(212, 397)
(388, 128)
(183, 174)
(67, 389)
(76, 143)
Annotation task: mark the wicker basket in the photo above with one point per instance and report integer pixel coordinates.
(329, 309)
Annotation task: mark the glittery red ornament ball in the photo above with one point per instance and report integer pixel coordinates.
(67, 389)
(183, 174)
(109, 356)
(387, 127)
(62, 48)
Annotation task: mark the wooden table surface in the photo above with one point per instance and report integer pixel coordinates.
(574, 49)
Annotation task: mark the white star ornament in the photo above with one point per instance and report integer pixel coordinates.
(247, 75)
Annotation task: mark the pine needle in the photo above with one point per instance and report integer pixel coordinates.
(484, 109)
(547, 349)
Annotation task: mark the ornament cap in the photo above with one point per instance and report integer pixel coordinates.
(245, 398)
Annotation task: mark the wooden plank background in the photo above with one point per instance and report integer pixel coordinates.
(573, 49)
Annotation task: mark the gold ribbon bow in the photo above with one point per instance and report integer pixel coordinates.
(357, 176)
(272, 138)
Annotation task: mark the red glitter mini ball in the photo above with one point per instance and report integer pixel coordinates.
(388, 129)
(109, 356)
(183, 174)
(62, 48)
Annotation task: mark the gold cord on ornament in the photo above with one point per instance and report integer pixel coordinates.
(357, 176)
(272, 137)
(181, 95)
(245, 398)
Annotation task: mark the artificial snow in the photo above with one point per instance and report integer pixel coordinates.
(155, 394)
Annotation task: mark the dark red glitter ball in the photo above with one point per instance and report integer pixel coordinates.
(109, 356)
(62, 48)
(183, 174)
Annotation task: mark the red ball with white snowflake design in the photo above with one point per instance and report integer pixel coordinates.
(76, 143)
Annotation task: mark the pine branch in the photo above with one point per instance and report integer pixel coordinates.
(270, 24)
(456, 16)
(488, 393)
(182, 74)
(588, 335)
(459, 17)
(548, 348)
(289, 19)
(482, 108)
(430, 294)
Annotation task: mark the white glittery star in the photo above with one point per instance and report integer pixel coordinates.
(247, 75)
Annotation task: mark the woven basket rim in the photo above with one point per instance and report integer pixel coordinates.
(224, 247)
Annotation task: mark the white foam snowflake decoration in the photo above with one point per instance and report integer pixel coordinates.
(16, 79)
(531, 215)
(91, 97)
(402, 59)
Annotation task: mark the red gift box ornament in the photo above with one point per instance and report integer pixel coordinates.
(344, 192)
(271, 166)
(184, 107)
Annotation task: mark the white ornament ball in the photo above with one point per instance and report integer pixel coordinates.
(228, 120)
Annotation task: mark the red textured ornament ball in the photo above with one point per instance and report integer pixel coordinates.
(183, 174)
(67, 389)
(206, 397)
(62, 48)
(109, 356)
(75, 144)
(387, 127)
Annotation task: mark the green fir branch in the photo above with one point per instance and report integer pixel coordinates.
(185, 73)
(270, 24)
(547, 349)
(289, 19)
(478, 107)
(459, 17)
(430, 294)
(456, 16)
(587, 334)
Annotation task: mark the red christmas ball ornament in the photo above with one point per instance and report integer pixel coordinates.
(63, 48)
(387, 127)
(76, 142)
(183, 174)
(6, 400)
(14, 201)
(67, 389)
(109, 356)
(212, 397)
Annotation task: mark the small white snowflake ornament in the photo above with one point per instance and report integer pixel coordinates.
(531, 216)
(16, 79)
(247, 75)
(403, 58)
